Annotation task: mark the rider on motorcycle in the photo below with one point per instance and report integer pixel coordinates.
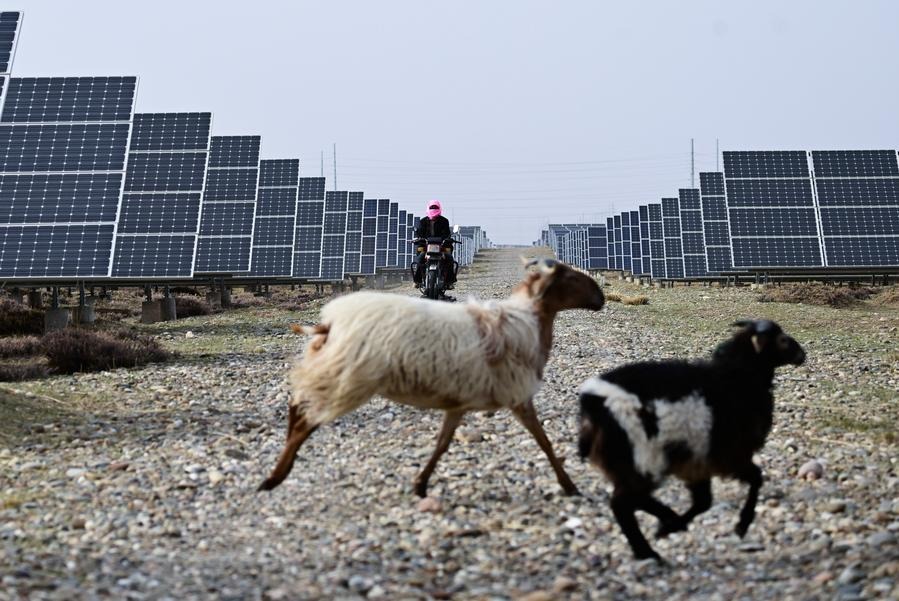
(435, 225)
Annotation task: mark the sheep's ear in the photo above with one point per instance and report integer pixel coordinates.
(527, 262)
(548, 265)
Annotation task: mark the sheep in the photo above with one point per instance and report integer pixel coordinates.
(644, 421)
(476, 356)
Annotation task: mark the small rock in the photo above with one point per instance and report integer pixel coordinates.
(190, 334)
(850, 575)
(564, 585)
(430, 505)
(360, 584)
(811, 470)
(236, 454)
(573, 523)
(881, 538)
(276, 594)
(537, 596)
(118, 466)
(470, 435)
(376, 592)
(835, 506)
(215, 477)
(823, 577)
(78, 523)
(752, 547)
(75, 472)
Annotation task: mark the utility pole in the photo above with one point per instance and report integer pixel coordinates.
(692, 164)
(335, 166)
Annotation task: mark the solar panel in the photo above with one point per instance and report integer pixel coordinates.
(597, 253)
(391, 234)
(645, 261)
(410, 235)
(671, 229)
(692, 236)
(160, 211)
(658, 267)
(10, 22)
(369, 233)
(625, 219)
(307, 242)
(715, 223)
(771, 210)
(858, 200)
(352, 256)
(334, 236)
(635, 248)
(381, 233)
(276, 212)
(61, 176)
(401, 242)
(610, 242)
(229, 205)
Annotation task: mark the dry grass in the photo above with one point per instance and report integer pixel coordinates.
(18, 320)
(613, 297)
(817, 294)
(186, 306)
(19, 346)
(887, 297)
(81, 350)
(640, 299)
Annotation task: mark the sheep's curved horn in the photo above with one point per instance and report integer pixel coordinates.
(548, 265)
(528, 262)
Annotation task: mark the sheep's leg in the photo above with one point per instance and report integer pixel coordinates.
(623, 507)
(292, 416)
(751, 475)
(527, 415)
(297, 435)
(451, 421)
(701, 495)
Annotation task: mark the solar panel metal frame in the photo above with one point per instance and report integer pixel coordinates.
(262, 246)
(871, 214)
(369, 236)
(208, 207)
(392, 234)
(102, 230)
(597, 247)
(204, 119)
(401, 242)
(309, 228)
(657, 265)
(671, 227)
(610, 242)
(5, 74)
(780, 177)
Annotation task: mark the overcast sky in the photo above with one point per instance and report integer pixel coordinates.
(513, 113)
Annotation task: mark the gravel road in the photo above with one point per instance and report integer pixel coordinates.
(140, 484)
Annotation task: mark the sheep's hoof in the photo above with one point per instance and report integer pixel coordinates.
(650, 554)
(421, 489)
(571, 491)
(741, 529)
(269, 484)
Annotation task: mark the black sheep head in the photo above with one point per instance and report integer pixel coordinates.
(763, 340)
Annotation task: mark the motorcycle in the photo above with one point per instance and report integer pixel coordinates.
(434, 280)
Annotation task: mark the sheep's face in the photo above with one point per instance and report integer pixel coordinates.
(559, 287)
(771, 343)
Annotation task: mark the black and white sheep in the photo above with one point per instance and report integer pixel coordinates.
(476, 356)
(643, 421)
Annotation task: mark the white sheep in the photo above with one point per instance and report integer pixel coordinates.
(476, 356)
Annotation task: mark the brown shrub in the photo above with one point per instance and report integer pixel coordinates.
(17, 371)
(18, 320)
(613, 297)
(185, 290)
(80, 350)
(19, 346)
(888, 297)
(190, 307)
(816, 294)
(635, 300)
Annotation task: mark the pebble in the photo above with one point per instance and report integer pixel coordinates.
(429, 505)
(811, 470)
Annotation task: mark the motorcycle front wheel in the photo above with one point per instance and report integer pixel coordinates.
(432, 288)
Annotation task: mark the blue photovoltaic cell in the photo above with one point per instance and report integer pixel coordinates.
(858, 199)
(229, 205)
(410, 235)
(154, 256)
(771, 210)
(671, 230)
(369, 232)
(610, 242)
(59, 198)
(598, 257)
(171, 131)
(76, 206)
(277, 211)
(235, 151)
(391, 234)
(401, 240)
(307, 243)
(69, 147)
(55, 250)
(9, 28)
(170, 213)
(160, 213)
(716, 227)
(61, 99)
(165, 172)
